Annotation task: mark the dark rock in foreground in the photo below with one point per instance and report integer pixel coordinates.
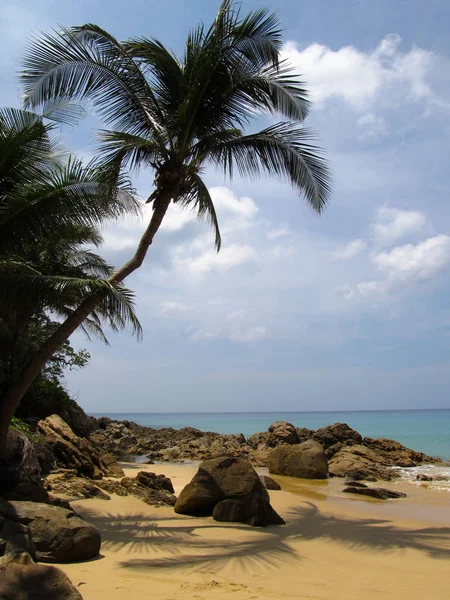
(380, 493)
(306, 460)
(15, 537)
(20, 471)
(269, 483)
(59, 535)
(229, 489)
(22, 579)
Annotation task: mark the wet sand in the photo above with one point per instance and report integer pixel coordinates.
(334, 546)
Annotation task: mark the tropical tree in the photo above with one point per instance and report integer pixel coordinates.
(177, 115)
(48, 213)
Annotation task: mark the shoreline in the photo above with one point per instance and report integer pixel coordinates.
(331, 547)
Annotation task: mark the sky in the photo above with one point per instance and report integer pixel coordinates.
(346, 311)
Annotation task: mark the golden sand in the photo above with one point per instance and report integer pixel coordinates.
(333, 547)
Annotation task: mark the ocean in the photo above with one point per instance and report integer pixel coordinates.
(425, 431)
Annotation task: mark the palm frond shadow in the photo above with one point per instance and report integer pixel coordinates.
(186, 546)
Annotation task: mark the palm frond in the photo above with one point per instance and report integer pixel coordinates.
(199, 200)
(283, 150)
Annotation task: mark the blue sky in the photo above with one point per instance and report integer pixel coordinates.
(346, 311)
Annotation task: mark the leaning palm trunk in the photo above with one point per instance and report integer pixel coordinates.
(176, 116)
(10, 399)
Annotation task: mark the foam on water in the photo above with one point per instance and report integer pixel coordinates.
(439, 473)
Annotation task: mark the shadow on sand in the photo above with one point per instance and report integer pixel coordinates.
(188, 545)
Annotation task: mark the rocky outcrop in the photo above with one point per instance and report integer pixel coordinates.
(71, 487)
(59, 535)
(156, 490)
(394, 454)
(22, 579)
(306, 460)
(229, 489)
(73, 452)
(20, 471)
(379, 493)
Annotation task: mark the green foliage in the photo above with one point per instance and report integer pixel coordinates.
(22, 427)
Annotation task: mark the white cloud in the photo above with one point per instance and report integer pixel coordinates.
(357, 77)
(411, 263)
(274, 234)
(392, 224)
(228, 257)
(372, 126)
(349, 250)
(255, 334)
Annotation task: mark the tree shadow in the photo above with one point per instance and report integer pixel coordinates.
(188, 545)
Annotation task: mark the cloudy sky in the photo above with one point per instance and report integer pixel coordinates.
(347, 311)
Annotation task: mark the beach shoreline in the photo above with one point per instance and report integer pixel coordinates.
(332, 546)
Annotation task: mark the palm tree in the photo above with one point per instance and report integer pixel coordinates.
(48, 214)
(177, 115)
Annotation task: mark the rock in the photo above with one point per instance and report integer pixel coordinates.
(20, 471)
(153, 489)
(334, 437)
(45, 458)
(359, 462)
(269, 483)
(73, 452)
(59, 535)
(15, 536)
(229, 489)
(73, 488)
(380, 493)
(356, 484)
(256, 512)
(282, 432)
(424, 478)
(22, 579)
(395, 454)
(306, 460)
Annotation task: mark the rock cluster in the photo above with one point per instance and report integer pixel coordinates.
(229, 489)
(347, 453)
(156, 490)
(73, 452)
(354, 487)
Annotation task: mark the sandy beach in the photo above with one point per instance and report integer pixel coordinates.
(333, 546)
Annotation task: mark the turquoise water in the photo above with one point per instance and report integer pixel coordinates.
(423, 430)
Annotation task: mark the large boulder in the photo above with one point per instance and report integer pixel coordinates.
(22, 579)
(229, 489)
(395, 454)
(282, 432)
(74, 452)
(15, 537)
(59, 535)
(306, 460)
(20, 471)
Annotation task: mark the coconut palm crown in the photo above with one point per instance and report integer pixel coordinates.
(175, 115)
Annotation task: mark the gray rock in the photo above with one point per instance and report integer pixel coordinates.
(282, 432)
(306, 461)
(15, 537)
(59, 535)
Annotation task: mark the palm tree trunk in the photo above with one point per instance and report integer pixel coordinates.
(21, 381)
